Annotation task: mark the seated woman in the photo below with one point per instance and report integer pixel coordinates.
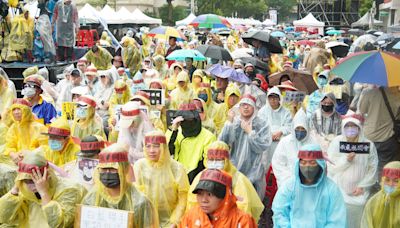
(162, 179)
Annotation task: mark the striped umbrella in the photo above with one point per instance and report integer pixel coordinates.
(164, 32)
(210, 21)
(373, 67)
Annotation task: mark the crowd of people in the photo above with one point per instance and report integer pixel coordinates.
(204, 150)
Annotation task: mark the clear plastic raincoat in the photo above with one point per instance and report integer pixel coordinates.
(67, 20)
(361, 172)
(26, 210)
(317, 205)
(6, 94)
(278, 120)
(130, 198)
(165, 181)
(382, 209)
(285, 155)
(247, 198)
(43, 26)
(248, 150)
(130, 54)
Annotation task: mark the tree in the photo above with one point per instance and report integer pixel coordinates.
(178, 13)
(229, 8)
(284, 8)
(365, 6)
(170, 9)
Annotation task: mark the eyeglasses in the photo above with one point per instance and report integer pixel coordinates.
(30, 86)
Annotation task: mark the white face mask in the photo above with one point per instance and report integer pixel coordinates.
(216, 164)
(28, 92)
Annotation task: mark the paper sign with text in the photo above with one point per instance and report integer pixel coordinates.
(295, 96)
(68, 110)
(356, 147)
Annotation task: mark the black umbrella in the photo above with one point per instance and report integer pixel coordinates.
(339, 49)
(384, 38)
(390, 46)
(256, 62)
(356, 32)
(214, 52)
(267, 40)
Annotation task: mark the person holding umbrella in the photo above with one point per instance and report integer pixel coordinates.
(172, 47)
(260, 51)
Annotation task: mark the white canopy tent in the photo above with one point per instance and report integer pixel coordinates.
(309, 22)
(268, 23)
(109, 15)
(87, 15)
(186, 20)
(243, 21)
(365, 21)
(124, 16)
(138, 17)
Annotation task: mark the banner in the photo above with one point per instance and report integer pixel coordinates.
(356, 147)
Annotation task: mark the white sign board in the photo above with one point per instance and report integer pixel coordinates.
(100, 217)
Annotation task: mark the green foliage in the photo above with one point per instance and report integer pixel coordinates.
(100, 3)
(365, 7)
(229, 8)
(284, 7)
(178, 13)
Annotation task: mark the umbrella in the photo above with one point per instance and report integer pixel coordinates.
(214, 52)
(330, 28)
(305, 43)
(241, 53)
(164, 32)
(334, 32)
(356, 32)
(278, 34)
(362, 41)
(339, 49)
(289, 29)
(267, 40)
(373, 67)
(210, 21)
(394, 46)
(302, 80)
(228, 72)
(384, 38)
(256, 62)
(181, 54)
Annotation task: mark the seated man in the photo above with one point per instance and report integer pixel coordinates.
(113, 190)
(216, 204)
(218, 158)
(383, 209)
(310, 198)
(39, 198)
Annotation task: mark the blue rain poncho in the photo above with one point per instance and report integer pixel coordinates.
(311, 206)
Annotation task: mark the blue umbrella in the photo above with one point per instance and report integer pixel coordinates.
(289, 29)
(397, 46)
(182, 54)
(278, 34)
(228, 72)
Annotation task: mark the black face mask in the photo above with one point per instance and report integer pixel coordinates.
(251, 74)
(191, 126)
(110, 180)
(327, 108)
(38, 195)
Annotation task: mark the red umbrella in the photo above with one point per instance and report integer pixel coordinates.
(305, 42)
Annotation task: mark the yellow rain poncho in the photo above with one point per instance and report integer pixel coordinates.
(160, 66)
(129, 199)
(248, 200)
(21, 33)
(171, 82)
(89, 125)
(212, 106)
(146, 45)
(206, 121)
(223, 109)
(26, 210)
(197, 79)
(130, 54)
(120, 96)
(181, 95)
(164, 181)
(25, 134)
(60, 128)
(382, 209)
(104, 39)
(102, 61)
(6, 95)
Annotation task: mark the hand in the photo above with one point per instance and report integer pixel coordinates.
(246, 126)
(159, 107)
(351, 156)
(113, 122)
(276, 136)
(16, 157)
(358, 191)
(173, 226)
(176, 123)
(15, 190)
(231, 115)
(40, 181)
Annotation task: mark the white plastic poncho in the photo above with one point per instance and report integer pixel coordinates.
(43, 26)
(359, 173)
(285, 155)
(247, 150)
(133, 137)
(278, 120)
